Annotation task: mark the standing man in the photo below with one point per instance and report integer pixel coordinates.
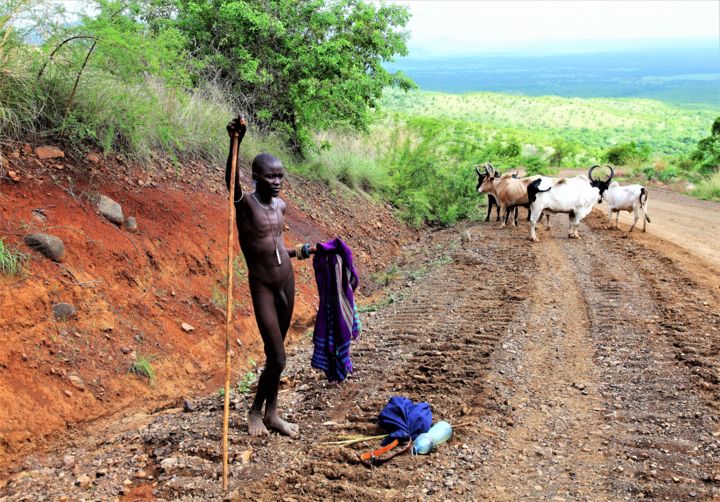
(260, 221)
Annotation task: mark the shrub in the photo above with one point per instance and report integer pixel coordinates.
(537, 165)
(627, 153)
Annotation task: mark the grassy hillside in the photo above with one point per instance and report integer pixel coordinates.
(594, 124)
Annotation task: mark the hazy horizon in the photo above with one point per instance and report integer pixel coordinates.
(523, 27)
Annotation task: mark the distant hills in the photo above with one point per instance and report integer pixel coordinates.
(684, 74)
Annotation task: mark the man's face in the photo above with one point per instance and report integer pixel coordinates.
(269, 178)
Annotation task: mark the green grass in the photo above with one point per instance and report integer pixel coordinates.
(12, 260)
(708, 189)
(142, 367)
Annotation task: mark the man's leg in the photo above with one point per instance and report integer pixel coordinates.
(267, 321)
(284, 304)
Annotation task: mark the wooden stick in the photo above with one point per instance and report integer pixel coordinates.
(231, 224)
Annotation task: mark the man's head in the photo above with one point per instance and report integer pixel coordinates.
(268, 174)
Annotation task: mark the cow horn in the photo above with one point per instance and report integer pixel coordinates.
(477, 171)
(591, 171)
(612, 172)
(489, 169)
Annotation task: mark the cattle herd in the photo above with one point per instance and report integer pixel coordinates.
(573, 196)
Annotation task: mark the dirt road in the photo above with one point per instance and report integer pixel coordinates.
(690, 223)
(578, 370)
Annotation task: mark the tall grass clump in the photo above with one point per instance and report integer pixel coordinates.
(709, 188)
(12, 260)
(17, 86)
(348, 159)
(142, 367)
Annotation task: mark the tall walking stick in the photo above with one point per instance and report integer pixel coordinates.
(231, 222)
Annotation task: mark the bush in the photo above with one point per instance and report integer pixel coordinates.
(627, 153)
(537, 165)
(707, 154)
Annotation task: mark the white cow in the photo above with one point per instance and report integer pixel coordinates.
(627, 198)
(574, 196)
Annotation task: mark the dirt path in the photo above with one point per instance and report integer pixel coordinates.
(690, 223)
(586, 370)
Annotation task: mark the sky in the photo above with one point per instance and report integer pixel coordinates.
(446, 27)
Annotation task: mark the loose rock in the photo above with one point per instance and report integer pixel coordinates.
(131, 224)
(77, 382)
(187, 327)
(110, 210)
(63, 311)
(50, 246)
(49, 152)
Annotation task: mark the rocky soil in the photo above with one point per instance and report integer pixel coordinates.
(573, 370)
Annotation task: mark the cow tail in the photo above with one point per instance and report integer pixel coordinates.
(533, 190)
(643, 202)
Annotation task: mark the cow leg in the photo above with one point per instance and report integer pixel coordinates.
(491, 203)
(506, 215)
(515, 220)
(617, 219)
(528, 216)
(534, 217)
(547, 221)
(636, 215)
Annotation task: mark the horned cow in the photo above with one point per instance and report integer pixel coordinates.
(508, 190)
(627, 198)
(573, 196)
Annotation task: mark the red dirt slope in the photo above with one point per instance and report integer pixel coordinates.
(133, 291)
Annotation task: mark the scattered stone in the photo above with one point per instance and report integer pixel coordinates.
(68, 460)
(49, 152)
(27, 149)
(110, 210)
(465, 236)
(245, 456)
(188, 406)
(48, 245)
(187, 327)
(168, 463)
(77, 382)
(13, 176)
(92, 157)
(83, 481)
(131, 224)
(141, 474)
(233, 496)
(68, 393)
(63, 311)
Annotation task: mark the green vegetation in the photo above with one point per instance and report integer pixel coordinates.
(12, 260)
(142, 367)
(300, 66)
(708, 188)
(159, 79)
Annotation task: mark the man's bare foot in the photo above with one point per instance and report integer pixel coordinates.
(256, 427)
(283, 427)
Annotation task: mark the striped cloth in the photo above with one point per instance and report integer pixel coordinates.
(337, 321)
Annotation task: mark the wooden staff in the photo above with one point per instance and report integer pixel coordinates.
(231, 223)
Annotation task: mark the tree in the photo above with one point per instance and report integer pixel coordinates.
(707, 153)
(295, 65)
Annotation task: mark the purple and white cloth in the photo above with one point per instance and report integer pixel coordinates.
(337, 322)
